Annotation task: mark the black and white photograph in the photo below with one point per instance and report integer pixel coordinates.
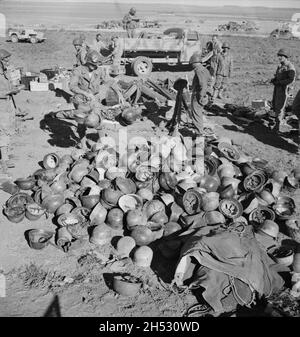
(149, 161)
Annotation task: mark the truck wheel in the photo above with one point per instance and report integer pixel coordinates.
(33, 39)
(142, 66)
(14, 38)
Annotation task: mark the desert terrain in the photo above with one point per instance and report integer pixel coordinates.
(77, 283)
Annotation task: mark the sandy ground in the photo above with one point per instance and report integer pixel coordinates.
(88, 293)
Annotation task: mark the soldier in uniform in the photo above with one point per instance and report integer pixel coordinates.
(81, 51)
(199, 92)
(7, 109)
(284, 77)
(223, 71)
(85, 83)
(130, 22)
(98, 44)
(117, 50)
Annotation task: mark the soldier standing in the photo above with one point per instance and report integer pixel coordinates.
(117, 50)
(199, 92)
(98, 44)
(7, 109)
(130, 22)
(284, 77)
(223, 71)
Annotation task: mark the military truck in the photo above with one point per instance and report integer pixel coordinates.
(287, 31)
(27, 35)
(174, 46)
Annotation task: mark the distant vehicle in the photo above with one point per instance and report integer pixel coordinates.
(233, 26)
(174, 46)
(151, 24)
(287, 31)
(27, 35)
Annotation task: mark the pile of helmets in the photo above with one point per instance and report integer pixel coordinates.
(99, 192)
(151, 192)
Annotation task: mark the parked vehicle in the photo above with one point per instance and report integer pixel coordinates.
(174, 46)
(27, 35)
(287, 31)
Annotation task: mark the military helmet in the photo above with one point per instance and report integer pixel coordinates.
(196, 58)
(77, 41)
(93, 57)
(270, 228)
(283, 52)
(225, 45)
(132, 10)
(4, 54)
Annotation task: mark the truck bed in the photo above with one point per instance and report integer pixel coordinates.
(163, 44)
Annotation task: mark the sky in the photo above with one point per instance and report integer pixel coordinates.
(247, 3)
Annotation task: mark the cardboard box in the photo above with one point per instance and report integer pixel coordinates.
(36, 86)
(259, 103)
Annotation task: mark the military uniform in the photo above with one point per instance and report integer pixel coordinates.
(83, 80)
(284, 77)
(117, 52)
(80, 56)
(130, 24)
(7, 112)
(199, 91)
(223, 70)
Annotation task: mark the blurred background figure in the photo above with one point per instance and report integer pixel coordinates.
(130, 22)
(117, 46)
(222, 71)
(98, 44)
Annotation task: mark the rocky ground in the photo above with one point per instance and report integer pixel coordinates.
(50, 282)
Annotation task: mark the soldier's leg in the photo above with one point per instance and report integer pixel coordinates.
(222, 87)
(279, 103)
(217, 86)
(197, 114)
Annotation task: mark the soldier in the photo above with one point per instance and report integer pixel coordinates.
(7, 109)
(130, 22)
(98, 44)
(284, 77)
(117, 50)
(81, 51)
(223, 71)
(85, 83)
(199, 92)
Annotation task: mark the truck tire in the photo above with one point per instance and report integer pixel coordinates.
(33, 39)
(14, 38)
(142, 66)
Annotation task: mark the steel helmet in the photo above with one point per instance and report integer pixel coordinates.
(270, 228)
(4, 54)
(77, 41)
(225, 45)
(283, 52)
(93, 57)
(132, 10)
(196, 58)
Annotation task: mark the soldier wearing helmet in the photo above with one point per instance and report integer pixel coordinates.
(85, 83)
(81, 51)
(199, 92)
(222, 71)
(130, 22)
(7, 110)
(282, 81)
